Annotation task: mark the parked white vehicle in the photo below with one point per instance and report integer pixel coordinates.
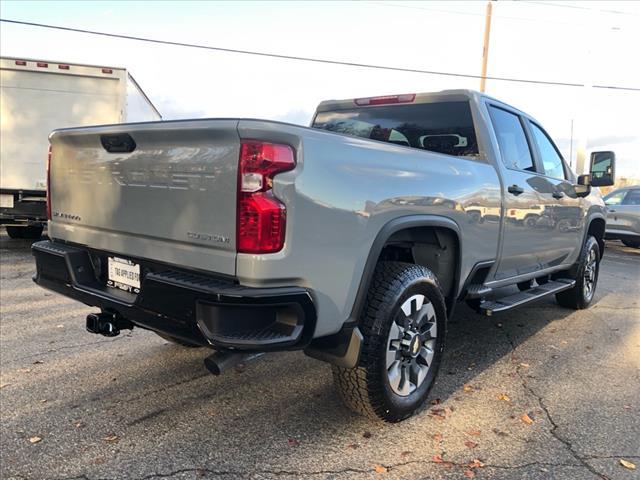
(38, 96)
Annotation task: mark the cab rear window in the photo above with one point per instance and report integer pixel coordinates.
(443, 127)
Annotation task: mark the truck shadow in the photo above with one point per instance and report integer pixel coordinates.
(282, 411)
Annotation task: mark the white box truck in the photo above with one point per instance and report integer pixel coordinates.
(38, 96)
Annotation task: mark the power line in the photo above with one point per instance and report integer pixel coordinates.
(576, 7)
(305, 59)
(472, 14)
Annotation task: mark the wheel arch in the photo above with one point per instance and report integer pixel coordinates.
(596, 227)
(343, 348)
(422, 230)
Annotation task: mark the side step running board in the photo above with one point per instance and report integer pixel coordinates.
(489, 307)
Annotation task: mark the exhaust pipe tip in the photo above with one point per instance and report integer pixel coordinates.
(219, 362)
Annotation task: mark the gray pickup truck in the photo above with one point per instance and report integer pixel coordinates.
(352, 240)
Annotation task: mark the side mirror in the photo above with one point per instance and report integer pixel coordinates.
(603, 169)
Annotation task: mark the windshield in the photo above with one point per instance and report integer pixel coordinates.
(444, 127)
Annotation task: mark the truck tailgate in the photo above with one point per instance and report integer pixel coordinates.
(172, 199)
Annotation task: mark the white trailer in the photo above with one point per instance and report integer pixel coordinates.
(38, 96)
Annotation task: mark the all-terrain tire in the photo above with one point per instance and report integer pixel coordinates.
(367, 388)
(14, 232)
(31, 232)
(580, 296)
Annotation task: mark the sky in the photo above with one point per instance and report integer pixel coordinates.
(591, 43)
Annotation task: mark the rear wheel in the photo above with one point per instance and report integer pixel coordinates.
(581, 295)
(14, 232)
(177, 341)
(632, 243)
(403, 324)
(31, 232)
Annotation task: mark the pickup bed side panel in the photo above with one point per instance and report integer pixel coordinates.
(342, 193)
(172, 200)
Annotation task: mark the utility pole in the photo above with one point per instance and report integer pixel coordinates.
(485, 47)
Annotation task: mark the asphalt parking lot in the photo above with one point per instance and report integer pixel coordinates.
(541, 393)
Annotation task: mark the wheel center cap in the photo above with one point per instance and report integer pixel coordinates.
(415, 345)
(411, 345)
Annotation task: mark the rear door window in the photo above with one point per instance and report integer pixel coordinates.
(443, 127)
(632, 198)
(512, 140)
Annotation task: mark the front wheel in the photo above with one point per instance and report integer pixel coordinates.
(403, 324)
(581, 295)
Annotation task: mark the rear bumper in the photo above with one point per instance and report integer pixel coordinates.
(29, 208)
(189, 305)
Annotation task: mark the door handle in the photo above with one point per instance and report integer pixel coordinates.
(515, 189)
(557, 195)
(610, 210)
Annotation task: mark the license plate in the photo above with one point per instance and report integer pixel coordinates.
(6, 201)
(124, 274)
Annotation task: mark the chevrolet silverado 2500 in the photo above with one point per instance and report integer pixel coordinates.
(352, 240)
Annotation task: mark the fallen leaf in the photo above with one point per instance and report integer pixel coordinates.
(79, 424)
(44, 400)
(627, 464)
(437, 458)
(441, 413)
(475, 463)
(525, 365)
(2, 385)
(467, 388)
(500, 433)
(435, 401)
(469, 474)
(35, 439)
(626, 407)
(38, 362)
(475, 433)
(526, 419)
(366, 434)
(380, 469)
(352, 446)
(293, 442)
(241, 367)
(24, 370)
(406, 453)
(111, 439)
(437, 437)
(99, 460)
(504, 397)
(470, 444)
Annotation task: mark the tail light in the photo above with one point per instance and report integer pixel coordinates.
(49, 184)
(261, 216)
